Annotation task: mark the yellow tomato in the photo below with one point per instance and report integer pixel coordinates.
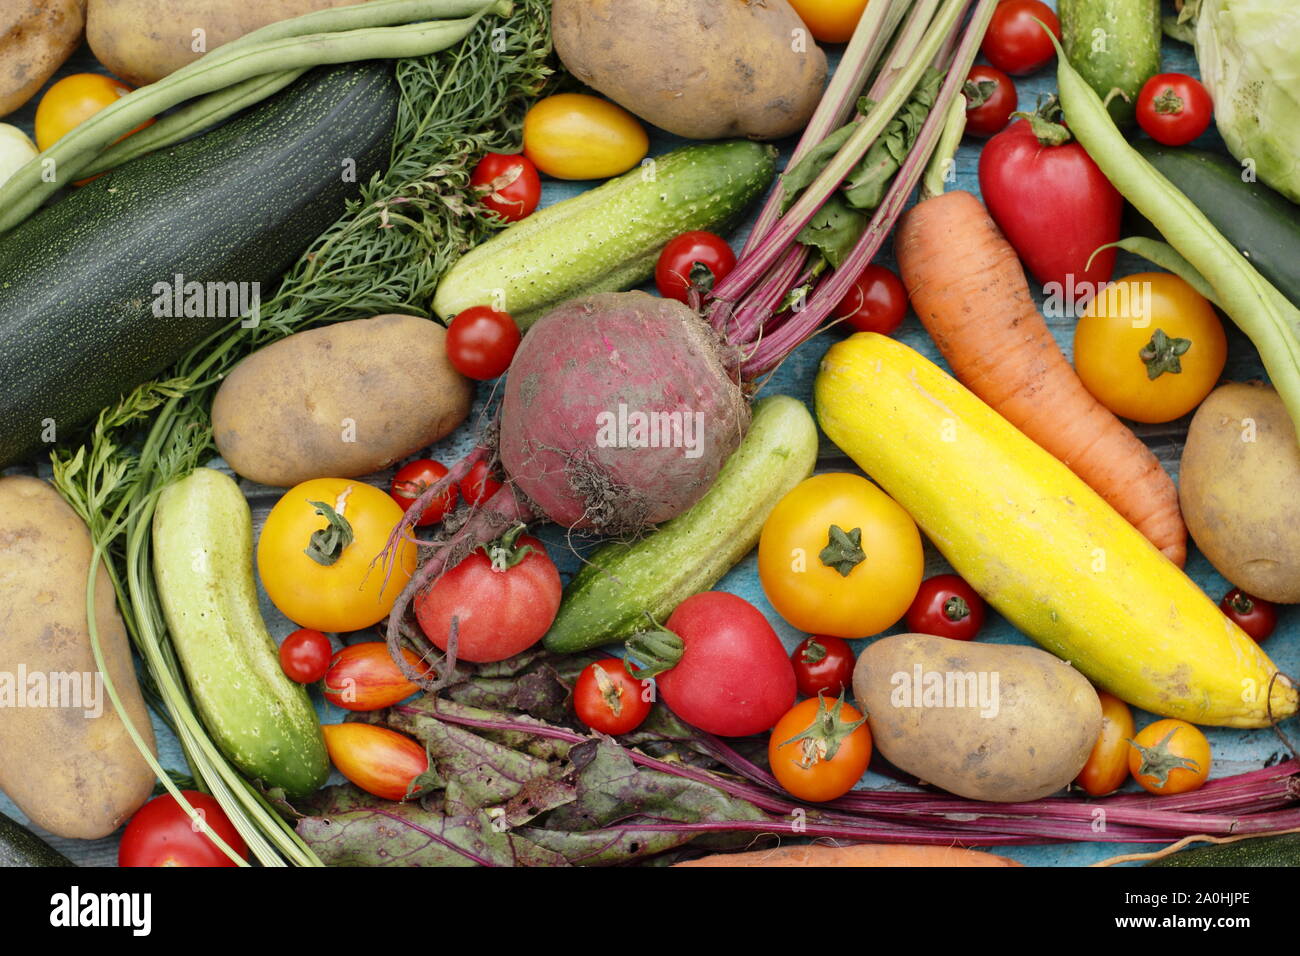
(830, 21)
(341, 587)
(1169, 756)
(72, 101)
(1149, 347)
(838, 556)
(575, 136)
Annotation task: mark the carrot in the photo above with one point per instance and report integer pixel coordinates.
(857, 854)
(969, 290)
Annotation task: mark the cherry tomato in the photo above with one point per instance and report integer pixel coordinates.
(692, 260)
(990, 100)
(73, 100)
(508, 185)
(876, 302)
(414, 479)
(478, 486)
(1169, 756)
(1014, 43)
(378, 760)
(305, 655)
(1253, 615)
(830, 21)
(481, 342)
(1107, 766)
(946, 606)
(576, 136)
(823, 665)
(1149, 347)
(610, 700)
(163, 834)
(820, 749)
(1174, 109)
(363, 677)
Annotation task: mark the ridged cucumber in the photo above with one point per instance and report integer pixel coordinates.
(1264, 225)
(1114, 44)
(607, 601)
(203, 567)
(19, 846)
(608, 238)
(1283, 850)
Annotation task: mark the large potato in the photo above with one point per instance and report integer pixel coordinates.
(339, 401)
(36, 38)
(703, 69)
(144, 40)
(1239, 486)
(65, 758)
(986, 721)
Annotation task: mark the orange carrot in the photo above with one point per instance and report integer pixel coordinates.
(969, 290)
(857, 854)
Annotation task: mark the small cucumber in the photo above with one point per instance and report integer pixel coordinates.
(608, 238)
(1283, 850)
(203, 566)
(19, 846)
(1114, 44)
(607, 601)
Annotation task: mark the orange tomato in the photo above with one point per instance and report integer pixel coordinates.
(1107, 766)
(1169, 756)
(73, 100)
(576, 136)
(830, 21)
(819, 749)
(364, 677)
(378, 760)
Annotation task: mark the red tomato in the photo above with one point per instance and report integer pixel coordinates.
(504, 598)
(305, 655)
(822, 665)
(819, 749)
(378, 760)
(508, 185)
(946, 606)
(692, 260)
(1016, 44)
(734, 678)
(363, 677)
(876, 302)
(610, 700)
(481, 342)
(1253, 615)
(414, 479)
(990, 100)
(163, 834)
(478, 485)
(1174, 109)
(1054, 206)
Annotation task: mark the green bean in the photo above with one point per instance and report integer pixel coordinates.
(1262, 312)
(194, 118)
(1168, 258)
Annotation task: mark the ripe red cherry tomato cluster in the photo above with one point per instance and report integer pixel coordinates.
(508, 185)
(946, 606)
(415, 477)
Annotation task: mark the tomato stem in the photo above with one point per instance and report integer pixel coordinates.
(505, 553)
(843, 550)
(327, 544)
(657, 649)
(1044, 122)
(1159, 761)
(956, 608)
(828, 730)
(1162, 353)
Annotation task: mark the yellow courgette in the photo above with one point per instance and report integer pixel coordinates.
(1039, 544)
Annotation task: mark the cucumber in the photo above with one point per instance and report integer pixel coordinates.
(1264, 225)
(80, 279)
(607, 601)
(203, 567)
(19, 846)
(608, 238)
(1114, 44)
(1281, 850)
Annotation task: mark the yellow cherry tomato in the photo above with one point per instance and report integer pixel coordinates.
(830, 21)
(838, 556)
(1169, 756)
(576, 136)
(72, 101)
(339, 585)
(1107, 766)
(1149, 347)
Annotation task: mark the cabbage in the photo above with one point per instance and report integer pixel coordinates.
(1249, 53)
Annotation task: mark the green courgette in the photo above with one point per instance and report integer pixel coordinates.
(203, 568)
(19, 846)
(608, 238)
(608, 600)
(1115, 45)
(1264, 225)
(86, 284)
(1281, 850)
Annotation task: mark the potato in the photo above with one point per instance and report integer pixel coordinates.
(340, 401)
(987, 721)
(36, 38)
(1239, 487)
(65, 756)
(703, 69)
(142, 41)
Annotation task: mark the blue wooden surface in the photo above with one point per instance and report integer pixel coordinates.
(1234, 751)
